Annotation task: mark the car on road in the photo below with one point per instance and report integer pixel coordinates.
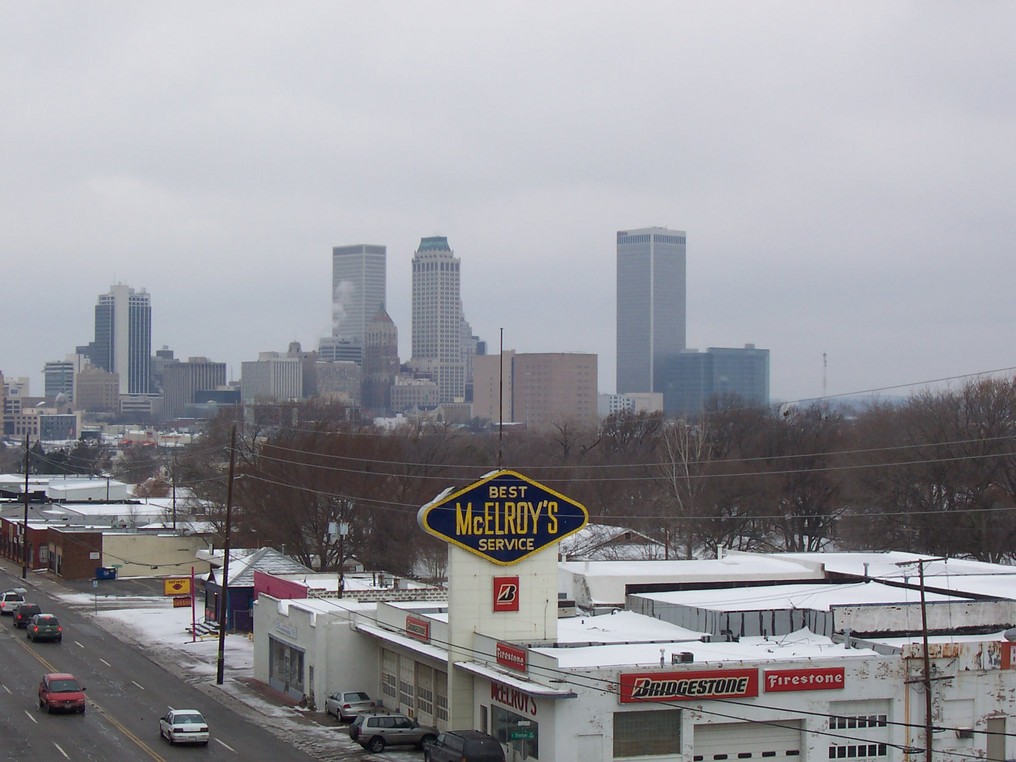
(44, 627)
(345, 705)
(61, 692)
(375, 730)
(23, 613)
(11, 599)
(464, 746)
(184, 726)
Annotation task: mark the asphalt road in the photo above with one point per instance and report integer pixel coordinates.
(127, 693)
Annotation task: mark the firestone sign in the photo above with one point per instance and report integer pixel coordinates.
(504, 517)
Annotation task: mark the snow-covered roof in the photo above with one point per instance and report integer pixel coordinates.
(602, 542)
(955, 574)
(607, 581)
(243, 562)
(819, 597)
(802, 644)
(621, 627)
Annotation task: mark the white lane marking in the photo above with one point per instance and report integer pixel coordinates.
(78, 644)
(60, 750)
(105, 662)
(8, 690)
(31, 717)
(139, 685)
(224, 744)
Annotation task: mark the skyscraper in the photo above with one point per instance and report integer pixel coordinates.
(123, 338)
(437, 318)
(358, 289)
(651, 305)
(380, 362)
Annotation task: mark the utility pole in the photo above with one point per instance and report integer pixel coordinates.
(224, 597)
(24, 533)
(928, 724)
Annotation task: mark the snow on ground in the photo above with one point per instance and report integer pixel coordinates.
(151, 623)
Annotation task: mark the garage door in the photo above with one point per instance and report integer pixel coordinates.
(730, 742)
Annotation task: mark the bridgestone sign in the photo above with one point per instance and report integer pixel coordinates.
(687, 686)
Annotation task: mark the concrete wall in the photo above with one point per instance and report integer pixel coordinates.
(148, 555)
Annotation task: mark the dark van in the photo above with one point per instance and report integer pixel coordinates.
(464, 746)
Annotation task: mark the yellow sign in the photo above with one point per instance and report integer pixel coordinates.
(176, 586)
(179, 603)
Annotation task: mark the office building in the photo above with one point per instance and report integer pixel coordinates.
(437, 341)
(380, 363)
(358, 289)
(96, 390)
(698, 381)
(273, 377)
(123, 338)
(651, 305)
(182, 380)
(58, 379)
(539, 389)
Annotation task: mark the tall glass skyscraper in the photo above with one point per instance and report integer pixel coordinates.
(437, 318)
(123, 338)
(359, 278)
(651, 305)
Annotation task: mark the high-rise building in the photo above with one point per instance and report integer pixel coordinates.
(539, 389)
(182, 380)
(380, 362)
(273, 377)
(358, 288)
(651, 305)
(437, 318)
(123, 338)
(720, 376)
(58, 378)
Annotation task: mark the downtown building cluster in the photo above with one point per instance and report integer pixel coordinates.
(116, 377)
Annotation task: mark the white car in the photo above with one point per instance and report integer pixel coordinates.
(345, 705)
(184, 726)
(11, 599)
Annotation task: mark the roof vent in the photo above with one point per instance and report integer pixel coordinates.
(682, 657)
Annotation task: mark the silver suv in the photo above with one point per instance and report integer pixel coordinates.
(376, 730)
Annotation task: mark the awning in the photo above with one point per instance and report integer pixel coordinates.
(526, 686)
(411, 644)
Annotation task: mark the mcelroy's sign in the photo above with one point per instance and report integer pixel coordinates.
(687, 686)
(504, 517)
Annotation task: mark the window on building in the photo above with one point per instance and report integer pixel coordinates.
(638, 734)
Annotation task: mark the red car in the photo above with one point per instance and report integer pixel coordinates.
(61, 692)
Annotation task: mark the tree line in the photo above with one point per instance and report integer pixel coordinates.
(934, 474)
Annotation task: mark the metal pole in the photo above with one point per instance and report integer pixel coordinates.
(500, 402)
(927, 668)
(24, 534)
(224, 597)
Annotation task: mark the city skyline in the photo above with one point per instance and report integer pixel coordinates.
(845, 179)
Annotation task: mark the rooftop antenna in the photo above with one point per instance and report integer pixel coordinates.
(500, 409)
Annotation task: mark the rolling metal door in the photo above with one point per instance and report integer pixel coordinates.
(754, 741)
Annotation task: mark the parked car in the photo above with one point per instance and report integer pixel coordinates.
(464, 746)
(61, 692)
(11, 599)
(375, 730)
(24, 613)
(184, 726)
(345, 705)
(44, 627)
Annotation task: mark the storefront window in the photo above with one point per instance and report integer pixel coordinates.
(522, 733)
(285, 667)
(639, 734)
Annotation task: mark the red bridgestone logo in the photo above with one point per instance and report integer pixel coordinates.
(687, 686)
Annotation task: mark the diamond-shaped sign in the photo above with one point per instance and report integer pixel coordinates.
(504, 517)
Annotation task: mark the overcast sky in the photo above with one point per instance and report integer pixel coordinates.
(846, 173)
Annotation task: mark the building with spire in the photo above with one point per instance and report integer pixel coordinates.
(380, 362)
